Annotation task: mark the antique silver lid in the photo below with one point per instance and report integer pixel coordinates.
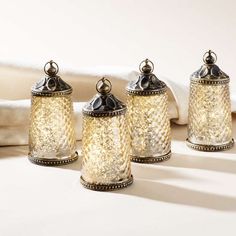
(209, 73)
(104, 103)
(51, 84)
(147, 83)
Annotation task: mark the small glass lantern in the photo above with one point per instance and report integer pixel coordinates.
(52, 135)
(149, 123)
(105, 142)
(209, 119)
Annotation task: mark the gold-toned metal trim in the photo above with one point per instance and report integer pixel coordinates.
(210, 148)
(107, 187)
(209, 81)
(51, 94)
(146, 92)
(149, 160)
(53, 162)
(104, 113)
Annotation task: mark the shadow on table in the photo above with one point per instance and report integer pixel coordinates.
(179, 195)
(146, 183)
(201, 162)
(152, 172)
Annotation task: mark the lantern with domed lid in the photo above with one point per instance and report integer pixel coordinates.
(105, 142)
(209, 119)
(149, 123)
(52, 135)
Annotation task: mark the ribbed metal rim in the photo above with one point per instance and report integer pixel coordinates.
(146, 92)
(210, 148)
(53, 162)
(104, 113)
(210, 81)
(51, 94)
(149, 160)
(107, 187)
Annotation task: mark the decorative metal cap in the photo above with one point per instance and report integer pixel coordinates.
(210, 73)
(147, 83)
(104, 103)
(51, 84)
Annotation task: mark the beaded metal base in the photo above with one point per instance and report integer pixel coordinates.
(106, 187)
(210, 148)
(149, 160)
(53, 162)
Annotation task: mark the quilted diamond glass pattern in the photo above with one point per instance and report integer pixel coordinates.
(52, 132)
(210, 121)
(149, 125)
(105, 150)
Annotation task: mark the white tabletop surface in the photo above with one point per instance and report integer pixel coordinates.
(194, 193)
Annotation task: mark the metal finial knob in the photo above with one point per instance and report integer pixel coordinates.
(52, 70)
(146, 68)
(104, 86)
(209, 57)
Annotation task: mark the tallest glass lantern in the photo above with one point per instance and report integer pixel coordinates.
(210, 121)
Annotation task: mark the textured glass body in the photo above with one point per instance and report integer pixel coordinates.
(52, 132)
(105, 150)
(149, 125)
(210, 121)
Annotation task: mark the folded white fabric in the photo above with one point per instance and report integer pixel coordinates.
(13, 135)
(14, 113)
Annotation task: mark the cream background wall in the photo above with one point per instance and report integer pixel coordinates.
(86, 33)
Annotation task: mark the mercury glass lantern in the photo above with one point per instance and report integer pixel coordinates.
(148, 119)
(52, 135)
(105, 143)
(209, 118)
